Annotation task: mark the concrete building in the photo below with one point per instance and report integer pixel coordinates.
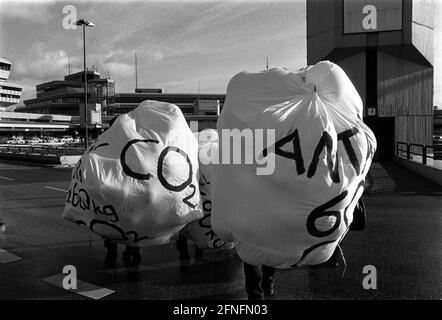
(201, 108)
(189, 103)
(10, 93)
(386, 48)
(64, 97)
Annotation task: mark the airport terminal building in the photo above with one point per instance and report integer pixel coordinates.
(63, 97)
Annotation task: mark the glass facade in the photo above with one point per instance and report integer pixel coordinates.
(5, 66)
(6, 87)
(5, 95)
(103, 92)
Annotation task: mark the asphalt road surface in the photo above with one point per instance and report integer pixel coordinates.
(402, 241)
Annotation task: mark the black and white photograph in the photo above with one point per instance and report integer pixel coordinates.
(235, 151)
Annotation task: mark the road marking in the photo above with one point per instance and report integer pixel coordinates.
(6, 178)
(6, 257)
(57, 189)
(83, 288)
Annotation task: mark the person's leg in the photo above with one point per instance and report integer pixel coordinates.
(253, 281)
(268, 280)
(198, 252)
(181, 245)
(136, 256)
(111, 252)
(184, 257)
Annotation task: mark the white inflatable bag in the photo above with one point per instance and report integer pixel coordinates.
(297, 214)
(137, 184)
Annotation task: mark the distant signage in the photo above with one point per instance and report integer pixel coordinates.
(372, 15)
(93, 115)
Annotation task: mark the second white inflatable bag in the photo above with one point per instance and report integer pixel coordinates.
(299, 212)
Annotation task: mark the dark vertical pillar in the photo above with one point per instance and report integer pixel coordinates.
(371, 78)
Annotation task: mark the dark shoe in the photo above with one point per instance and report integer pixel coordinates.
(184, 256)
(269, 294)
(269, 289)
(255, 297)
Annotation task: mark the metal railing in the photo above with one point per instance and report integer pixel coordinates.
(408, 150)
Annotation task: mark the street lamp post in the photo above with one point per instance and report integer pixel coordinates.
(85, 23)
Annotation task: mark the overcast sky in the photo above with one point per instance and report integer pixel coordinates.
(180, 44)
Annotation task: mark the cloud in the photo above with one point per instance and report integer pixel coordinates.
(39, 67)
(206, 84)
(43, 64)
(28, 91)
(36, 11)
(120, 69)
(178, 42)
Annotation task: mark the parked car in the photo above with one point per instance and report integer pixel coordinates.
(35, 140)
(16, 141)
(50, 140)
(67, 139)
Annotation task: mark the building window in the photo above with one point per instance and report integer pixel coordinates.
(4, 66)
